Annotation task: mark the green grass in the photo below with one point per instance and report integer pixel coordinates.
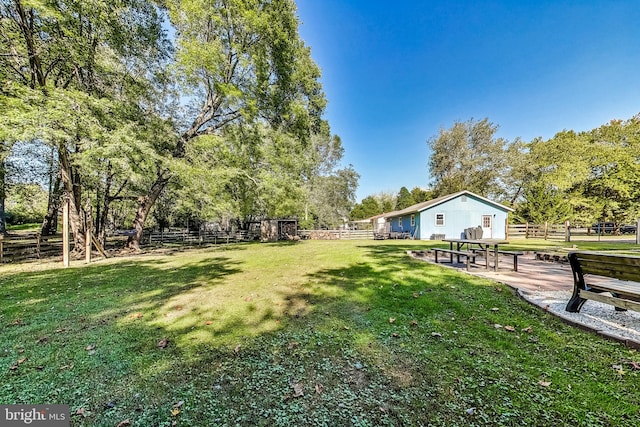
(320, 333)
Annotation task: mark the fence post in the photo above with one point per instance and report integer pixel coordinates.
(546, 226)
(38, 245)
(526, 230)
(637, 237)
(1, 247)
(567, 231)
(87, 247)
(65, 233)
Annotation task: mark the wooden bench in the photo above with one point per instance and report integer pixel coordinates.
(469, 255)
(625, 292)
(514, 254)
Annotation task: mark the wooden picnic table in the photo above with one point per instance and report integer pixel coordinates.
(484, 245)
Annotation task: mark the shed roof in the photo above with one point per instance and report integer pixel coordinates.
(419, 207)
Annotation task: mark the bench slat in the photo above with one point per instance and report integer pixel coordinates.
(626, 293)
(606, 299)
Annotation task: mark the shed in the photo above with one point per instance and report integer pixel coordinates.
(449, 216)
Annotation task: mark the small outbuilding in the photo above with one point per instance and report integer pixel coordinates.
(449, 216)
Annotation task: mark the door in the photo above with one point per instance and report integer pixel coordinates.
(487, 226)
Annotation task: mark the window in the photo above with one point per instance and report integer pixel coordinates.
(440, 219)
(486, 221)
(413, 220)
(400, 221)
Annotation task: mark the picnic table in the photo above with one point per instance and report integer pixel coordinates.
(486, 246)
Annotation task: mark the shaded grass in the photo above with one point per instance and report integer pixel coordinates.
(366, 334)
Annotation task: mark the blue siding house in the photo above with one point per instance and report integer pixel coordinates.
(448, 217)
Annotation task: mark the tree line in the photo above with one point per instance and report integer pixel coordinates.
(581, 177)
(147, 113)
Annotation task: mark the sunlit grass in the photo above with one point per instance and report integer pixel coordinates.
(368, 335)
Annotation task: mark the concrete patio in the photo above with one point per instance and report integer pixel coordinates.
(549, 285)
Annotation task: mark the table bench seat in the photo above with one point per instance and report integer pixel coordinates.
(514, 254)
(470, 255)
(625, 291)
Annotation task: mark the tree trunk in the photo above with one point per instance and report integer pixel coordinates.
(145, 203)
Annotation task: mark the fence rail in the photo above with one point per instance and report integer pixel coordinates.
(336, 234)
(565, 232)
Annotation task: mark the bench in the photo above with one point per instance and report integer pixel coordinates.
(514, 254)
(469, 255)
(625, 292)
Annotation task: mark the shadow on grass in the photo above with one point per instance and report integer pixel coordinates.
(379, 339)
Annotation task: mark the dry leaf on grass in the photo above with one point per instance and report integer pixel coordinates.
(509, 328)
(544, 383)
(124, 423)
(163, 343)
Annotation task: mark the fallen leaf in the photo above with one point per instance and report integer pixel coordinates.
(544, 383)
(179, 404)
(60, 330)
(82, 412)
(395, 335)
(208, 322)
(136, 315)
(414, 323)
(495, 309)
(436, 334)
(175, 411)
(178, 307)
(415, 295)
(509, 328)
(247, 299)
(236, 349)
(392, 319)
(497, 325)
(635, 365)
(292, 345)
(347, 328)
(21, 361)
(124, 423)
(470, 411)
(319, 388)
(298, 390)
(13, 367)
(163, 343)
(42, 340)
(618, 369)
(90, 347)
(17, 322)
(528, 329)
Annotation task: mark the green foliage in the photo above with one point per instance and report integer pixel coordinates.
(468, 156)
(25, 203)
(404, 199)
(370, 206)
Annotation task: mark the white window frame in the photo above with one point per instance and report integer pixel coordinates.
(413, 220)
(437, 219)
(400, 222)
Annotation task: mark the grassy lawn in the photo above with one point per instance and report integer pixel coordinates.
(313, 333)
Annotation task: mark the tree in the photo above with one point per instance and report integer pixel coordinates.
(78, 78)
(368, 207)
(240, 62)
(421, 195)
(404, 199)
(467, 156)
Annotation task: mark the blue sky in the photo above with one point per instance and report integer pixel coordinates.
(395, 72)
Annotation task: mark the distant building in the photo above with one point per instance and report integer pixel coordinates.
(449, 216)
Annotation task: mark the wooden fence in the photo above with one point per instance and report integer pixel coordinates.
(16, 247)
(336, 234)
(564, 232)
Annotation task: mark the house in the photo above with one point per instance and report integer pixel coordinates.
(449, 216)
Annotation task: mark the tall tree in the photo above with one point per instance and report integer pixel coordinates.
(404, 199)
(76, 72)
(240, 62)
(468, 156)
